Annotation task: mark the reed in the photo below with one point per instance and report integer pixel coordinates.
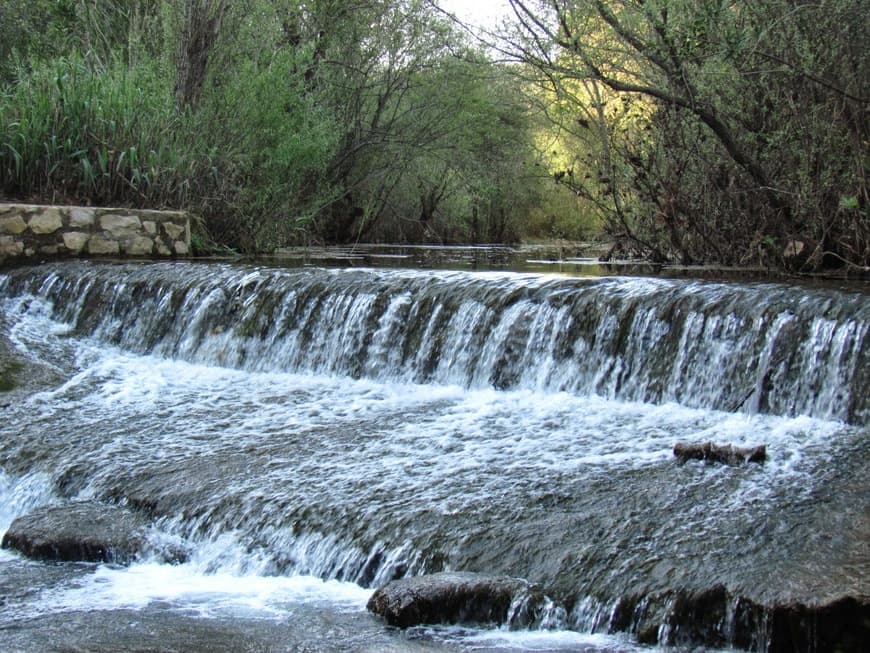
(107, 135)
(83, 132)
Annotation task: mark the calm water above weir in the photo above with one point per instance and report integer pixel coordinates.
(304, 435)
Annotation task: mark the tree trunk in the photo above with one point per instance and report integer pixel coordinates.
(202, 24)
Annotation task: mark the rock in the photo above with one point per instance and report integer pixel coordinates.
(794, 248)
(46, 222)
(121, 225)
(800, 253)
(139, 246)
(21, 375)
(84, 531)
(10, 247)
(841, 625)
(682, 617)
(173, 230)
(9, 370)
(716, 453)
(13, 225)
(456, 598)
(75, 241)
(81, 216)
(718, 619)
(27, 230)
(99, 245)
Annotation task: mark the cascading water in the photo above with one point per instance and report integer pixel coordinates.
(771, 349)
(362, 425)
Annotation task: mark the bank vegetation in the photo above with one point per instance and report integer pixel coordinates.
(728, 132)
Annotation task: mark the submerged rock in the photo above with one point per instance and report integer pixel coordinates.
(84, 531)
(456, 598)
(719, 453)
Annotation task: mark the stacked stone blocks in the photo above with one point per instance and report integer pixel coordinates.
(28, 231)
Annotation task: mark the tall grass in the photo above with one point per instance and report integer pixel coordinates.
(249, 161)
(110, 136)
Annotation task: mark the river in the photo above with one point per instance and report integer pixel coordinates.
(307, 434)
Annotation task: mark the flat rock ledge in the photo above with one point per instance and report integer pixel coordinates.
(82, 531)
(457, 598)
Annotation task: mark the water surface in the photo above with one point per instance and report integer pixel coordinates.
(306, 435)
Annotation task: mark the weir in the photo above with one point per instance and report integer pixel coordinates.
(758, 348)
(362, 425)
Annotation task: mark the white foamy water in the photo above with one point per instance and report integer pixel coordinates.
(770, 349)
(186, 587)
(507, 641)
(405, 437)
(20, 495)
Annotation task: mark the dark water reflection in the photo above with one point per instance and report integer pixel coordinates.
(575, 260)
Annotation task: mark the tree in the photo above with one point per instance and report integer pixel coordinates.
(405, 89)
(278, 121)
(473, 180)
(758, 135)
(201, 28)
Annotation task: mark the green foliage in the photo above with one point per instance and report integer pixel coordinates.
(849, 203)
(561, 215)
(467, 179)
(74, 132)
(755, 126)
(33, 30)
(277, 121)
(432, 145)
(112, 136)
(274, 145)
(693, 131)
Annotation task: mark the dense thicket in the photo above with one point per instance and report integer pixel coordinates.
(695, 131)
(278, 121)
(713, 130)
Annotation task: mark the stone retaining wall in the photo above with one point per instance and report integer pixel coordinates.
(28, 231)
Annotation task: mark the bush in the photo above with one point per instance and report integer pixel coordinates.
(275, 145)
(250, 161)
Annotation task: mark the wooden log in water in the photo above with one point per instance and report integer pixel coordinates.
(719, 453)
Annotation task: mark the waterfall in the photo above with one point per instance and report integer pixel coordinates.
(754, 348)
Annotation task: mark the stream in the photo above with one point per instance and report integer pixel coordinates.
(306, 434)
